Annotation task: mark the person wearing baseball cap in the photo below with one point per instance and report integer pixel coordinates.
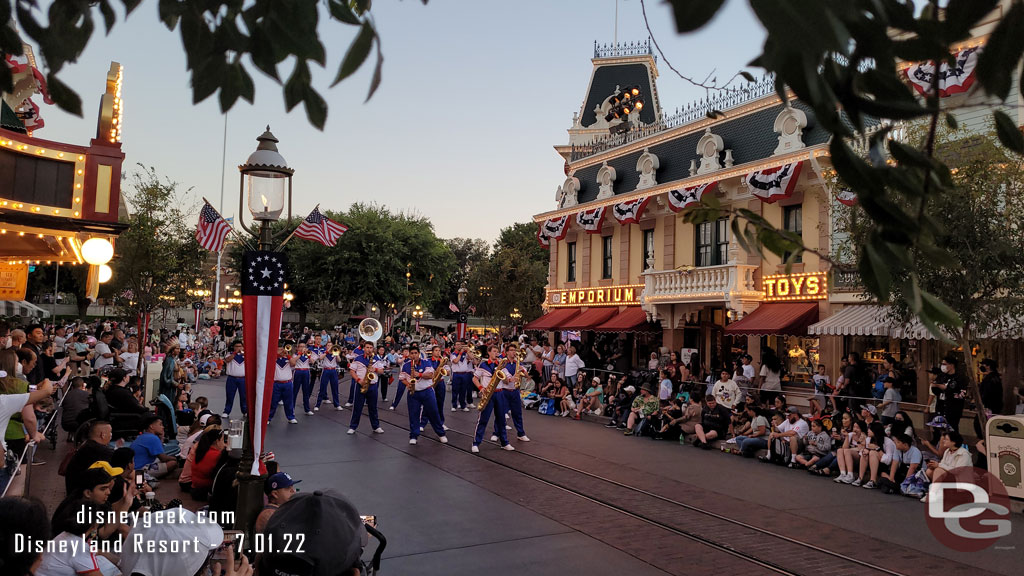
(279, 488)
(335, 537)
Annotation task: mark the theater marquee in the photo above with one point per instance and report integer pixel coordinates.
(795, 287)
(625, 295)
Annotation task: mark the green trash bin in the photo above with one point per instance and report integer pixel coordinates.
(1005, 444)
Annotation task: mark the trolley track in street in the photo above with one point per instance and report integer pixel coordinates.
(773, 551)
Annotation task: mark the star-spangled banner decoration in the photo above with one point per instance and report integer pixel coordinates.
(591, 220)
(774, 184)
(630, 212)
(263, 278)
(951, 80)
(678, 200)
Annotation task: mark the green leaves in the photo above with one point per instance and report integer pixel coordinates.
(63, 95)
(357, 52)
(999, 60)
(1008, 133)
(692, 14)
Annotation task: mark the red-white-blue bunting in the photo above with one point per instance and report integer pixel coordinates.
(553, 229)
(847, 197)
(630, 212)
(591, 220)
(678, 200)
(953, 80)
(774, 184)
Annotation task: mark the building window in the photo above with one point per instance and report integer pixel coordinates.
(570, 268)
(606, 257)
(792, 221)
(648, 248)
(713, 243)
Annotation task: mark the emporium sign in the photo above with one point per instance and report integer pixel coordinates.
(625, 295)
(795, 287)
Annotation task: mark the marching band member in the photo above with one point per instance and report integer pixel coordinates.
(439, 388)
(418, 374)
(283, 387)
(482, 378)
(399, 390)
(512, 401)
(329, 377)
(382, 359)
(234, 366)
(364, 365)
(301, 361)
(350, 355)
(462, 378)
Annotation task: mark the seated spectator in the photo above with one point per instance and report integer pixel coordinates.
(201, 537)
(757, 439)
(149, 448)
(643, 406)
(124, 458)
(868, 413)
(849, 455)
(22, 518)
(75, 406)
(879, 451)
(71, 553)
(551, 388)
(593, 400)
(212, 422)
(620, 406)
(96, 448)
(903, 424)
(714, 423)
(905, 464)
(279, 489)
(817, 445)
(208, 452)
(565, 402)
(120, 397)
(954, 455)
(335, 535)
(839, 432)
(204, 406)
(792, 432)
(725, 390)
(664, 430)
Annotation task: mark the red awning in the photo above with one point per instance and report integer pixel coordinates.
(594, 316)
(782, 318)
(632, 319)
(553, 320)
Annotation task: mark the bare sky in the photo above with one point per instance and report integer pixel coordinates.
(475, 93)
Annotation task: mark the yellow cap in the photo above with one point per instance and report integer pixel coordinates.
(106, 466)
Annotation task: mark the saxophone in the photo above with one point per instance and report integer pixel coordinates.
(440, 371)
(414, 375)
(497, 377)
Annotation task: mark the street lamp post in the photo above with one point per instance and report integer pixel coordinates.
(265, 184)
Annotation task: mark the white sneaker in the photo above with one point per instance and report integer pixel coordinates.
(293, 421)
(840, 479)
(494, 437)
(316, 408)
(309, 412)
(378, 431)
(391, 407)
(351, 431)
(412, 441)
(445, 426)
(224, 416)
(280, 402)
(475, 449)
(470, 406)
(507, 427)
(421, 429)
(564, 414)
(444, 439)
(524, 438)
(466, 409)
(348, 404)
(339, 408)
(454, 408)
(509, 447)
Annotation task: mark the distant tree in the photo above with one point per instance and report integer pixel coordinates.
(974, 264)
(512, 278)
(469, 253)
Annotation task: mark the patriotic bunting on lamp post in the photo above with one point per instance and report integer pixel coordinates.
(774, 184)
(263, 278)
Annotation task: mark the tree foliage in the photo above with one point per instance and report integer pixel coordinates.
(512, 278)
(469, 253)
(368, 265)
(224, 42)
(159, 259)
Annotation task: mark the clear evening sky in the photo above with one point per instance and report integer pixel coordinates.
(474, 96)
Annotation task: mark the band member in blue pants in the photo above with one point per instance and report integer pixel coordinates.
(462, 378)
(417, 374)
(234, 367)
(439, 388)
(362, 368)
(301, 383)
(512, 401)
(482, 379)
(329, 379)
(283, 387)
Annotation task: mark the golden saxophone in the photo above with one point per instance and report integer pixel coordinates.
(440, 371)
(520, 356)
(414, 376)
(486, 392)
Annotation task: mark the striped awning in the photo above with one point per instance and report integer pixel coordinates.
(22, 308)
(858, 320)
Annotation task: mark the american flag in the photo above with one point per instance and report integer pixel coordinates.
(212, 229)
(320, 228)
(452, 306)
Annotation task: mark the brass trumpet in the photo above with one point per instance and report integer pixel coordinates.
(288, 348)
(336, 350)
(474, 355)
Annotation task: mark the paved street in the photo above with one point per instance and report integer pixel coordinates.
(447, 512)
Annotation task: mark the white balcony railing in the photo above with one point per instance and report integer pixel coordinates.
(730, 284)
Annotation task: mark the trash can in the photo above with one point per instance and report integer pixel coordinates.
(1005, 444)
